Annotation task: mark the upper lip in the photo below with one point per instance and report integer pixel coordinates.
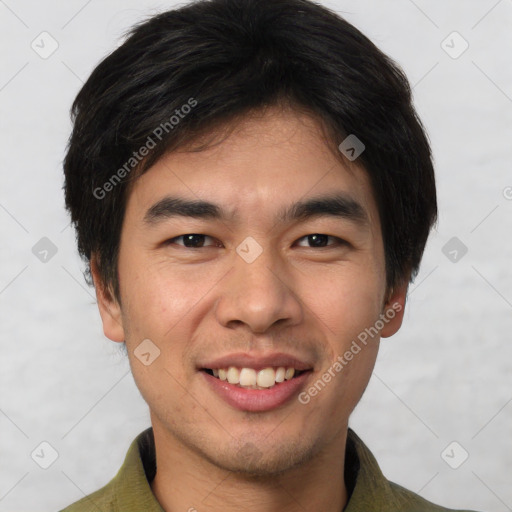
(258, 362)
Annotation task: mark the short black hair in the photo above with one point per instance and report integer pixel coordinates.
(182, 72)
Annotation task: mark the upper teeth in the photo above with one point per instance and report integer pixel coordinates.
(248, 377)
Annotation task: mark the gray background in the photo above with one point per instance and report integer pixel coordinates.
(446, 376)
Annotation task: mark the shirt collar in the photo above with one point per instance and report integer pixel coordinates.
(365, 482)
(132, 483)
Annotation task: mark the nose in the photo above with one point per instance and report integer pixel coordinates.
(256, 295)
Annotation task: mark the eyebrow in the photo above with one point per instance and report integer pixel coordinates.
(337, 205)
(169, 207)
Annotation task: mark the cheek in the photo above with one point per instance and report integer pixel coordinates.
(346, 301)
(166, 307)
(347, 307)
(159, 298)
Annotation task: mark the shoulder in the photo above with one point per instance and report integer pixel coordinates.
(371, 490)
(411, 502)
(129, 489)
(102, 499)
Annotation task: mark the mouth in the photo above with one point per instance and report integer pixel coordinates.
(254, 378)
(256, 382)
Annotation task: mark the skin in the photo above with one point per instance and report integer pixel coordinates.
(193, 303)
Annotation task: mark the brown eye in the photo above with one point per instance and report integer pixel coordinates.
(320, 240)
(192, 240)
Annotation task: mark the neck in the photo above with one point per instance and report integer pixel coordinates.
(186, 481)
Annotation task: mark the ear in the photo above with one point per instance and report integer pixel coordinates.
(110, 309)
(394, 308)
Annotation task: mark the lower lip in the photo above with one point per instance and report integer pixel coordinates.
(257, 400)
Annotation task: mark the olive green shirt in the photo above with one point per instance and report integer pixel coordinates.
(369, 490)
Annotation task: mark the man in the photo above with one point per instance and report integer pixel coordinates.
(252, 192)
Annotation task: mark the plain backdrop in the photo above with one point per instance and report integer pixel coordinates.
(442, 387)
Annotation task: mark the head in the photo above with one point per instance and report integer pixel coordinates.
(222, 121)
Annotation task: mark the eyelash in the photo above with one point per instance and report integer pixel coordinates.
(338, 241)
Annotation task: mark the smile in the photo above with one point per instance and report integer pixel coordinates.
(251, 378)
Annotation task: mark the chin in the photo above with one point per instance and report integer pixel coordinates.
(255, 462)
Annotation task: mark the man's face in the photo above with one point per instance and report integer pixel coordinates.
(260, 286)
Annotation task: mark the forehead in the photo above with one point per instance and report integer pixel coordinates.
(259, 165)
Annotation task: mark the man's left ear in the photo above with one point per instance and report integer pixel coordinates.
(394, 308)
